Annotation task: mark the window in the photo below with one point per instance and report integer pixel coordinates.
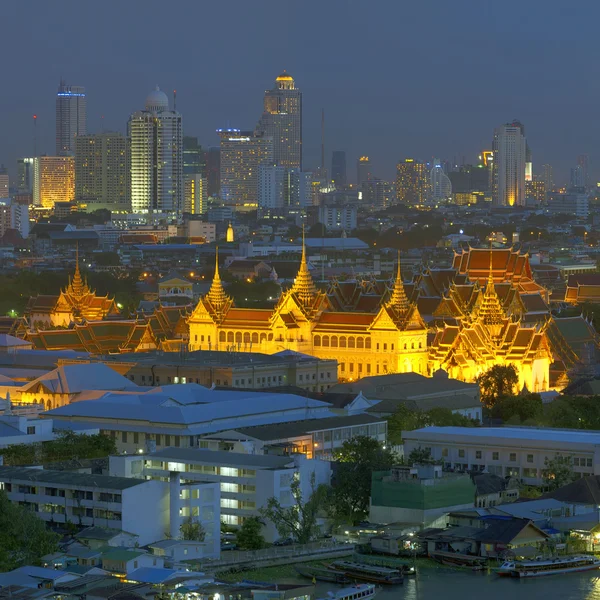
(495, 456)
(444, 451)
(124, 437)
(530, 473)
(478, 454)
(136, 437)
(588, 462)
(461, 453)
(530, 458)
(512, 457)
(31, 430)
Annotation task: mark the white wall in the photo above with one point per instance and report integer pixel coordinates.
(145, 511)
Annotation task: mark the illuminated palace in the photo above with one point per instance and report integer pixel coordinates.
(372, 330)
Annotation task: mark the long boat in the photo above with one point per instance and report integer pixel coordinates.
(370, 573)
(361, 591)
(322, 574)
(456, 559)
(552, 566)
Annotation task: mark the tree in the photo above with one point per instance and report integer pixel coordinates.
(107, 259)
(249, 536)
(558, 471)
(24, 538)
(526, 407)
(298, 521)
(497, 382)
(191, 529)
(420, 456)
(404, 419)
(356, 461)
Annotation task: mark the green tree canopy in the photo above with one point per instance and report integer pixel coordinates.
(249, 536)
(191, 529)
(558, 471)
(526, 407)
(497, 382)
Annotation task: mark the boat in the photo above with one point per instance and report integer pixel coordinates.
(548, 566)
(456, 559)
(321, 574)
(370, 573)
(360, 591)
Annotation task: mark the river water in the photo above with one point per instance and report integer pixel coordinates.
(450, 584)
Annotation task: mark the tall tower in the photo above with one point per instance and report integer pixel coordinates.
(510, 155)
(363, 170)
(71, 117)
(548, 178)
(583, 163)
(156, 157)
(282, 121)
(441, 186)
(412, 181)
(338, 168)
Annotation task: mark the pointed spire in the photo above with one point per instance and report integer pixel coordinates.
(491, 311)
(77, 287)
(216, 295)
(398, 299)
(304, 286)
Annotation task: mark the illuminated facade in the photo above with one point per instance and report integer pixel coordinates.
(391, 340)
(535, 189)
(282, 121)
(363, 170)
(195, 201)
(242, 153)
(71, 117)
(54, 180)
(508, 167)
(412, 182)
(156, 157)
(440, 185)
(101, 171)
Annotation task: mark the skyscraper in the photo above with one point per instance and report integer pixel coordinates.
(583, 162)
(194, 157)
(4, 183)
(242, 153)
(156, 157)
(213, 171)
(282, 121)
(54, 180)
(510, 153)
(547, 178)
(338, 168)
(271, 187)
(194, 194)
(71, 117)
(101, 171)
(25, 174)
(363, 170)
(412, 181)
(440, 185)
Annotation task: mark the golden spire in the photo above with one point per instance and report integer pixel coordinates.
(304, 286)
(216, 295)
(491, 311)
(77, 287)
(398, 299)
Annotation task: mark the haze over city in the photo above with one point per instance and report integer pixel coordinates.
(395, 79)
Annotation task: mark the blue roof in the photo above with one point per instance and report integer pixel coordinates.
(151, 575)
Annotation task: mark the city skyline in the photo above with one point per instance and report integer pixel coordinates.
(415, 120)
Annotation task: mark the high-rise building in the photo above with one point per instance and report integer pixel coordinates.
(535, 190)
(363, 170)
(71, 117)
(376, 194)
(272, 187)
(14, 215)
(577, 177)
(54, 180)
(4, 182)
(338, 168)
(548, 178)
(242, 153)
(25, 174)
(510, 156)
(213, 171)
(282, 121)
(156, 157)
(412, 181)
(583, 162)
(194, 157)
(101, 172)
(439, 182)
(299, 188)
(194, 194)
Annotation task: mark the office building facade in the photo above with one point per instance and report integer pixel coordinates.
(338, 168)
(4, 182)
(54, 180)
(282, 121)
(271, 187)
(363, 170)
(156, 157)
(101, 172)
(412, 182)
(508, 170)
(195, 201)
(71, 117)
(440, 184)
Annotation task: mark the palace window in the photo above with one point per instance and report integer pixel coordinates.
(360, 342)
(368, 343)
(255, 338)
(246, 338)
(326, 340)
(351, 342)
(342, 341)
(230, 337)
(317, 340)
(238, 337)
(334, 341)
(222, 336)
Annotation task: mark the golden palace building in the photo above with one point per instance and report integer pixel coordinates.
(393, 338)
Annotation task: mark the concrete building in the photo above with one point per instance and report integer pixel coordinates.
(245, 481)
(338, 168)
(376, 194)
(156, 161)
(418, 494)
(282, 121)
(299, 185)
(412, 182)
(4, 183)
(507, 451)
(14, 216)
(363, 170)
(21, 429)
(271, 187)
(195, 229)
(195, 198)
(26, 174)
(242, 153)
(101, 172)
(338, 217)
(71, 117)
(439, 182)
(508, 167)
(53, 180)
(573, 203)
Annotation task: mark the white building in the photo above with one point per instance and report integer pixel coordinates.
(156, 157)
(300, 193)
(20, 429)
(510, 149)
(507, 451)
(14, 216)
(246, 481)
(572, 204)
(338, 217)
(71, 117)
(271, 187)
(440, 184)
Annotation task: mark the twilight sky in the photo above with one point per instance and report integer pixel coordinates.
(396, 78)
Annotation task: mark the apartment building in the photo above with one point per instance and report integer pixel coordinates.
(146, 508)
(246, 481)
(507, 451)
